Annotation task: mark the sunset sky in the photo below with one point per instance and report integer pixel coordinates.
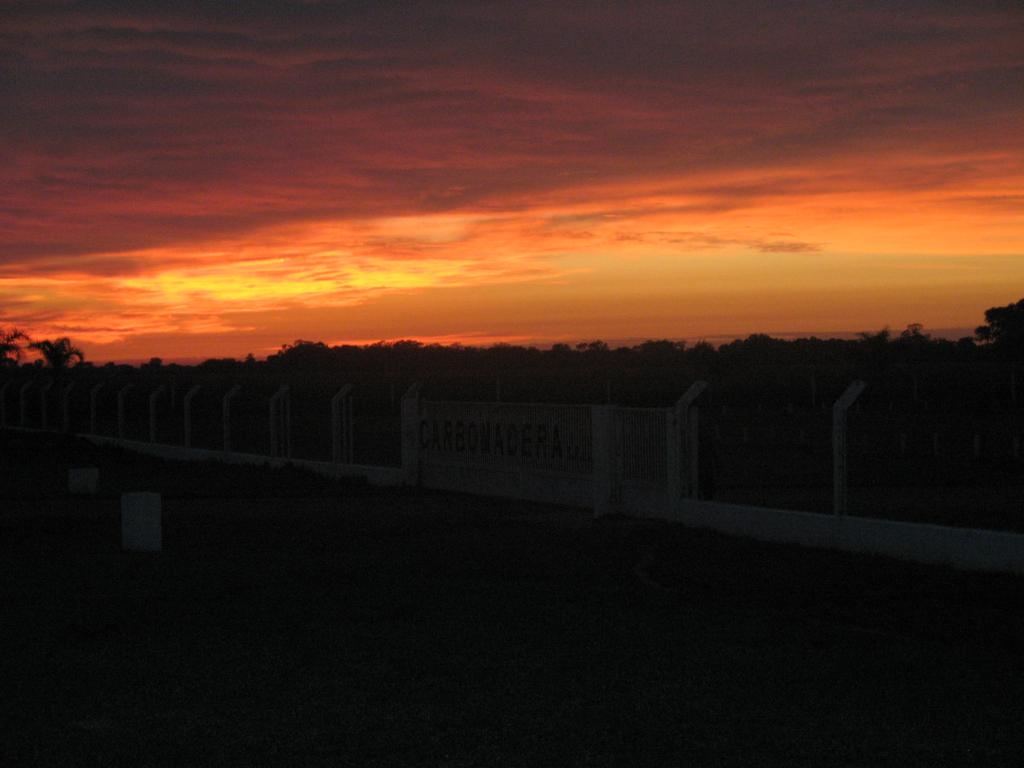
(190, 180)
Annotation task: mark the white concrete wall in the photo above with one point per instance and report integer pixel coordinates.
(381, 476)
(512, 482)
(965, 548)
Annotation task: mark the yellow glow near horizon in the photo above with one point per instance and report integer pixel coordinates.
(667, 257)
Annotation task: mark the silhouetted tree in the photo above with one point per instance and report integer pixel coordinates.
(913, 344)
(877, 348)
(302, 354)
(660, 352)
(1004, 330)
(10, 348)
(592, 347)
(703, 355)
(561, 350)
(58, 353)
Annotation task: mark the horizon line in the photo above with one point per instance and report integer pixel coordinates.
(952, 333)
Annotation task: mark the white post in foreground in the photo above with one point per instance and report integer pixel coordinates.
(152, 411)
(140, 522)
(65, 407)
(341, 426)
(93, 393)
(684, 449)
(280, 422)
(410, 436)
(187, 406)
(44, 390)
(839, 409)
(226, 414)
(23, 402)
(121, 395)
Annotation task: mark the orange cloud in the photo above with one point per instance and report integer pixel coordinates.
(225, 176)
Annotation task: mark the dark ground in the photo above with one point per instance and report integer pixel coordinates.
(297, 621)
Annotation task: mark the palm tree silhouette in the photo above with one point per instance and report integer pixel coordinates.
(10, 350)
(59, 353)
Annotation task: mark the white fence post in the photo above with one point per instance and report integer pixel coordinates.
(65, 407)
(273, 423)
(350, 429)
(23, 402)
(839, 410)
(152, 411)
(410, 435)
(684, 457)
(287, 424)
(341, 426)
(187, 407)
(121, 395)
(44, 402)
(93, 393)
(280, 422)
(226, 415)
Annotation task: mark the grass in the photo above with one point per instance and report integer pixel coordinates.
(335, 624)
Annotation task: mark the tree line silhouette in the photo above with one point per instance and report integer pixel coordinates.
(1000, 339)
(56, 354)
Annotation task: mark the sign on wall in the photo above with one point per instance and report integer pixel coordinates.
(552, 437)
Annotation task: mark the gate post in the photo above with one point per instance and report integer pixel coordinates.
(410, 436)
(152, 411)
(187, 406)
(226, 415)
(280, 421)
(65, 407)
(341, 426)
(44, 402)
(684, 446)
(23, 402)
(122, 393)
(93, 392)
(839, 409)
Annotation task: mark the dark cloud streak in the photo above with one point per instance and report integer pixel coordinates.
(136, 125)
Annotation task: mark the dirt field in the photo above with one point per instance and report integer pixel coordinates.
(297, 621)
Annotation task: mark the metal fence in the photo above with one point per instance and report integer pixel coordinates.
(642, 435)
